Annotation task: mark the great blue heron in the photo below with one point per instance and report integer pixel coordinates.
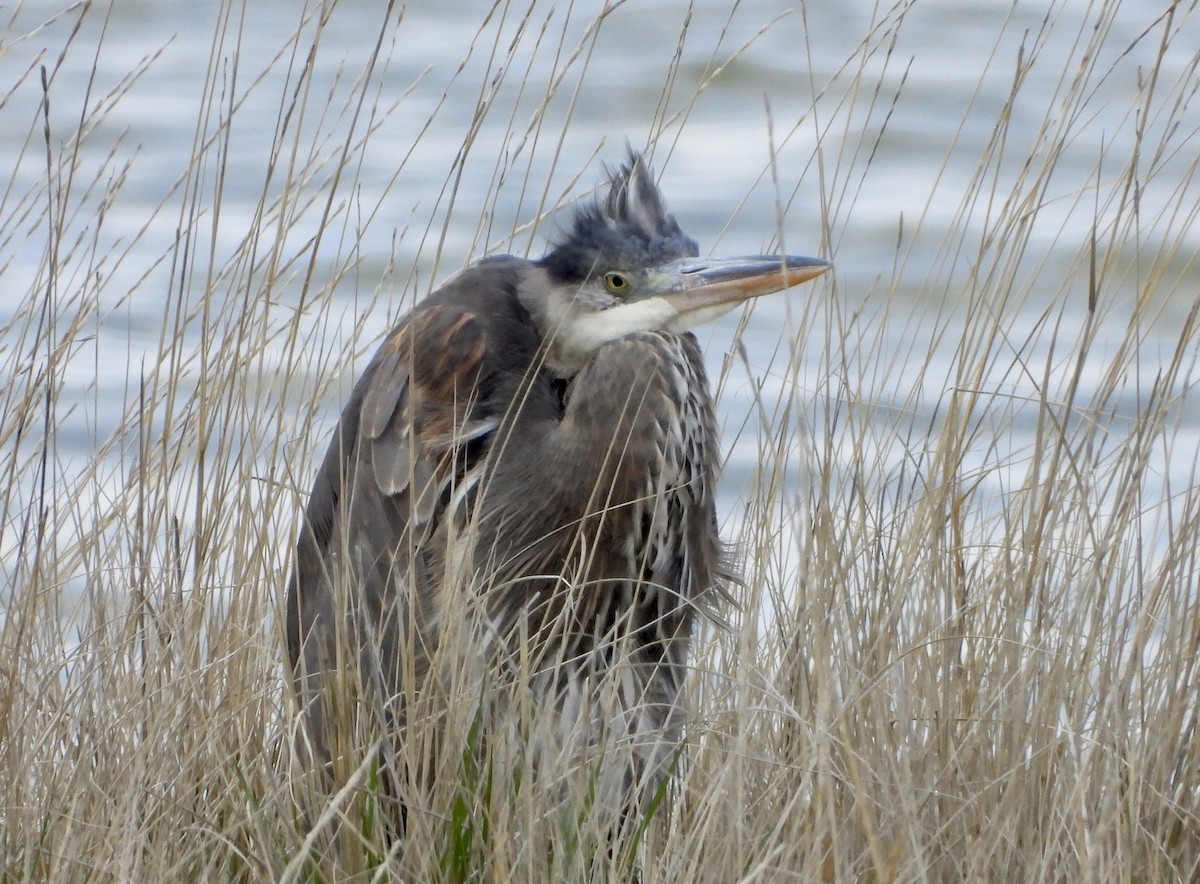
(527, 465)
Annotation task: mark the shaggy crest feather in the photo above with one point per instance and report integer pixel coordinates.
(627, 228)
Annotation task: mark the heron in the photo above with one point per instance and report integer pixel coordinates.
(527, 466)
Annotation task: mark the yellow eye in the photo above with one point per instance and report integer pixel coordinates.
(616, 283)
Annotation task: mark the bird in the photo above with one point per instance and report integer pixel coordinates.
(522, 481)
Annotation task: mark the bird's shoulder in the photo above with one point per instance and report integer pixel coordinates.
(444, 377)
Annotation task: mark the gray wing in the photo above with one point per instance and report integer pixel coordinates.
(418, 423)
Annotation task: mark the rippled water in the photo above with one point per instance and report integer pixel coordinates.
(857, 130)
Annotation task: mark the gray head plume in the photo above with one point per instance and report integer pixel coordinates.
(627, 229)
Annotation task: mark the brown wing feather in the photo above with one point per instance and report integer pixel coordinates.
(419, 402)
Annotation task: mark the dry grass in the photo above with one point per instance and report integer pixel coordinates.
(974, 535)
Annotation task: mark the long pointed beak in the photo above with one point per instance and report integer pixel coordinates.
(700, 288)
(679, 296)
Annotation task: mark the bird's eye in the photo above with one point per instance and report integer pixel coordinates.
(616, 283)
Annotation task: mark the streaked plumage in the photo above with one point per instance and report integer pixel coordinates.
(523, 478)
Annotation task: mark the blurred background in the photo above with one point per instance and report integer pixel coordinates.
(928, 148)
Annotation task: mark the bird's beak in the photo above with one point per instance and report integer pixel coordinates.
(677, 297)
(701, 288)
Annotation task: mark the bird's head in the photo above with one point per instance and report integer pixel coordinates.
(626, 266)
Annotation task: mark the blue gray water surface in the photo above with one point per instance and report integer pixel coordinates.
(854, 130)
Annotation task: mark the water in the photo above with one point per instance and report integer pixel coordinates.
(787, 140)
